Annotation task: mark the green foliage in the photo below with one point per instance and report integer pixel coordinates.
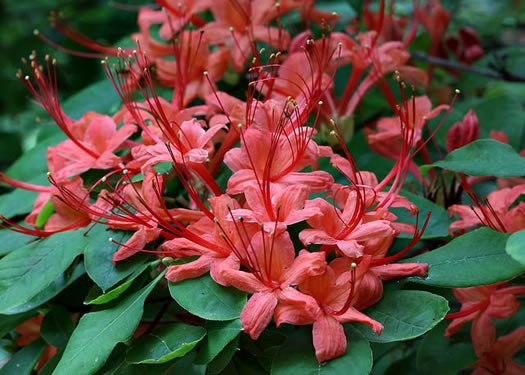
(475, 258)
(25, 360)
(98, 332)
(297, 356)
(485, 157)
(164, 344)
(405, 314)
(443, 355)
(29, 270)
(219, 335)
(515, 246)
(207, 299)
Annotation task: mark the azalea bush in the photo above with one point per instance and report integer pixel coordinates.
(284, 187)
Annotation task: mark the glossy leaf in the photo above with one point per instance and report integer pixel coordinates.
(473, 259)
(405, 314)
(166, 343)
(485, 157)
(224, 357)
(207, 299)
(50, 365)
(61, 282)
(32, 165)
(297, 356)
(98, 258)
(98, 332)
(29, 270)
(97, 297)
(57, 327)
(442, 355)
(19, 201)
(10, 322)
(515, 246)
(219, 335)
(10, 241)
(24, 361)
(438, 223)
(101, 96)
(187, 366)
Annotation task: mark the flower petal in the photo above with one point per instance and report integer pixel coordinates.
(257, 313)
(329, 338)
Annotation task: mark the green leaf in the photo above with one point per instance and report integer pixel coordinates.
(207, 299)
(485, 157)
(61, 282)
(30, 269)
(265, 347)
(515, 246)
(442, 355)
(166, 343)
(24, 361)
(405, 314)
(187, 366)
(357, 5)
(98, 258)
(219, 335)
(10, 322)
(33, 163)
(12, 240)
(101, 96)
(57, 326)
(473, 259)
(97, 297)
(163, 167)
(98, 332)
(490, 112)
(20, 201)
(438, 223)
(297, 356)
(224, 357)
(51, 364)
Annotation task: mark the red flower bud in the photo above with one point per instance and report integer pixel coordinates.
(463, 132)
(469, 36)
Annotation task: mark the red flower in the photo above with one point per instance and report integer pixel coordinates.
(480, 305)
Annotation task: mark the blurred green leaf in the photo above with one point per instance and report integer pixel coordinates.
(515, 246)
(10, 240)
(57, 327)
(20, 201)
(24, 361)
(10, 322)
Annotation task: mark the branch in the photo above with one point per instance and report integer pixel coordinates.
(502, 74)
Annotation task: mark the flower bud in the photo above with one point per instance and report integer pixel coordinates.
(464, 132)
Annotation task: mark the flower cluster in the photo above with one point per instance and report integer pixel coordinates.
(231, 184)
